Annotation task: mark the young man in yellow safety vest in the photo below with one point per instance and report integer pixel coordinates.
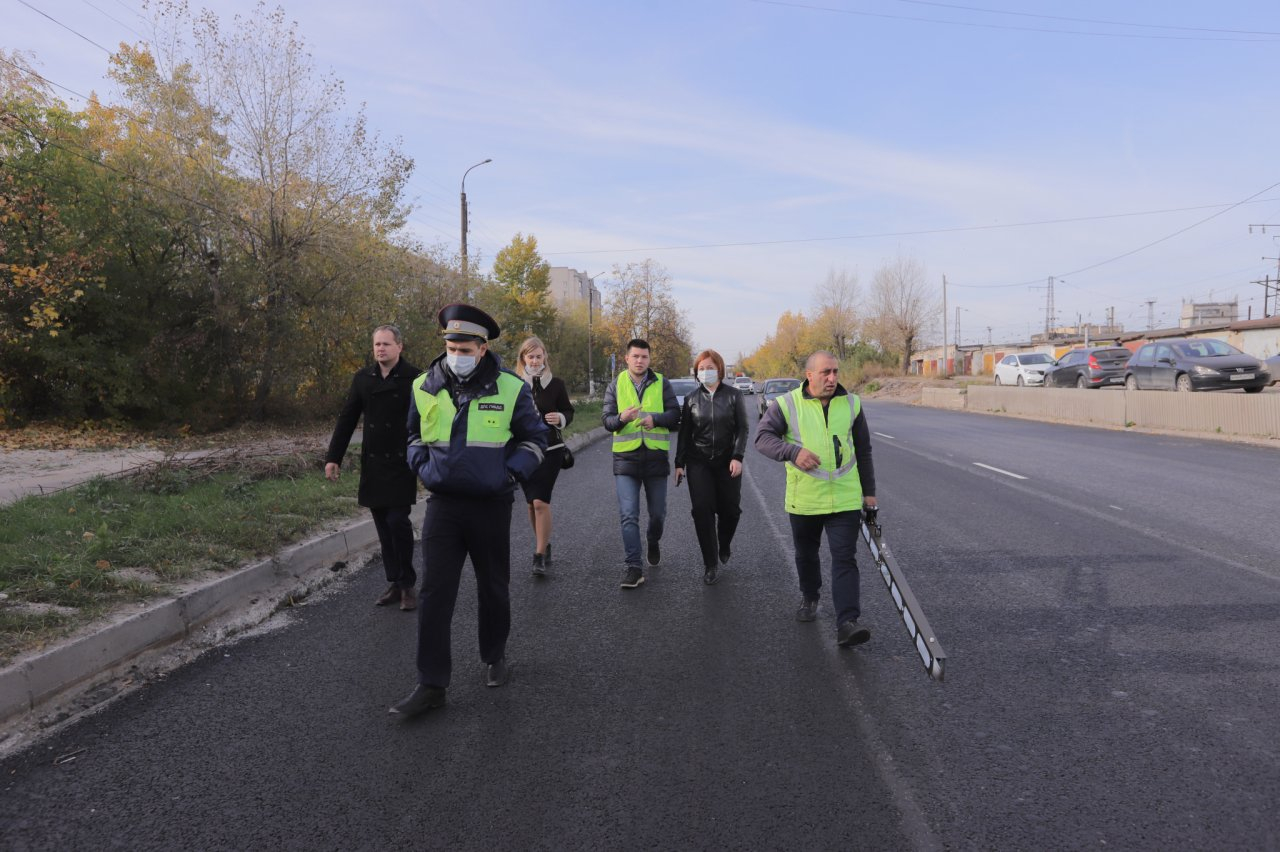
(640, 410)
(820, 432)
(474, 432)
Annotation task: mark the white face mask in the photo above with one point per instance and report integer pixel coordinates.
(708, 377)
(462, 365)
(538, 370)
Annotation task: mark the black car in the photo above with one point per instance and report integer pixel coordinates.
(682, 388)
(1194, 365)
(774, 388)
(1094, 367)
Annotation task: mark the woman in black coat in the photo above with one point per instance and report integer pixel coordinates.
(709, 448)
(388, 488)
(552, 399)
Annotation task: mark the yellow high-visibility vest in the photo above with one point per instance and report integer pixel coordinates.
(488, 420)
(632, 434)
(834, 485)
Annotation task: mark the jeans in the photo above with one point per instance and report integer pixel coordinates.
(716, 498)
(842, 541)
(655, 492)
(395, 534)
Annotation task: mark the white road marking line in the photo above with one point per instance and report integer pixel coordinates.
(883, 435)
(1117, 508)
(998, 470)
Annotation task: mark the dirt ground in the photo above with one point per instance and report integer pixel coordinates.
(49, 459)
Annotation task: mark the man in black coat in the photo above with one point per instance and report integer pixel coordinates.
(388, 488)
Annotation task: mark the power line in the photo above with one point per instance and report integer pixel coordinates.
(65, 27)
(106, 14)
(926, 232)
(1176, 233)
(1086, 20)
(976, 25)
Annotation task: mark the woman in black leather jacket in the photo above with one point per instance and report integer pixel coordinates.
(709, 449)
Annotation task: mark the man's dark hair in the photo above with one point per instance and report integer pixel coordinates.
(637, 343)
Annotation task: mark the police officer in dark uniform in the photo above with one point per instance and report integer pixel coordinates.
(388, 488)
(474, 432)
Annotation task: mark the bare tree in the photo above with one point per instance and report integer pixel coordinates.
(640, 304)
(904, 307)
(308, 180)
(836, 310)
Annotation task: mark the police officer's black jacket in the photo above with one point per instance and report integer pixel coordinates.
(713, 427)
(475, 472)
(385, 477)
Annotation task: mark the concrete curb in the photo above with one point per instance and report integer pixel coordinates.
(32, 683)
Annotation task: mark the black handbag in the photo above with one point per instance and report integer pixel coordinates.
(566, 461)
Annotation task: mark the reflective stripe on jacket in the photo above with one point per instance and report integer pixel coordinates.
(630, 436)
(834, 486)
(474, 449)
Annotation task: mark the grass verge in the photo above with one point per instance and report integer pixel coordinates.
(586, 416)
(67, 558)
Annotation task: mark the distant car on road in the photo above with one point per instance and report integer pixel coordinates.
(682, 388)
(1093, 367)
(744, 384)
(1194, 365)
(774, 388)
(1022, 369)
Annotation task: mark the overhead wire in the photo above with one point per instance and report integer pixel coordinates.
(1086, 20)
(990, 26)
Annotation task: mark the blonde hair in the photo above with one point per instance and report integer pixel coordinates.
(528, 346)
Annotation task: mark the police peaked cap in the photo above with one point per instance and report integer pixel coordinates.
(464, 322)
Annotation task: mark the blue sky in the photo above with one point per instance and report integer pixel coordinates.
(752, 146)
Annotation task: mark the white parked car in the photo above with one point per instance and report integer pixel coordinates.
(744, 384)
(1022, 369)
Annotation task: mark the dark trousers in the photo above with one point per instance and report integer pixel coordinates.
(395, 534)
(716, 497)
(842, 541)
(453, 529)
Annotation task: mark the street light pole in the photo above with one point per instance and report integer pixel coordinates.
(464, 216)
(591, 300)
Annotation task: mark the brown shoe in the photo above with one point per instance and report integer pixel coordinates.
(408, 599)
(391, 595)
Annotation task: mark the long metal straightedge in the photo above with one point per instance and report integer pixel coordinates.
(927, 645)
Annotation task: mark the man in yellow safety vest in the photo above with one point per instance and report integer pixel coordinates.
(820, 432)
(640, 410)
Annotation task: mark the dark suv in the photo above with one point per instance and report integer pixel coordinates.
(1095, 367)
(1194, 365)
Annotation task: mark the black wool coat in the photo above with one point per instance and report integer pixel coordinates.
(385, 477)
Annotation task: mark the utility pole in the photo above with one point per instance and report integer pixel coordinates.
(591, 304)
(1049, 311)
(1268, 287)
(1151, 314)
(945, 371)
(464, 216)
(1266, 283)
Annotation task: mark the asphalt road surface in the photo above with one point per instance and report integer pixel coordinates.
(1110, 621)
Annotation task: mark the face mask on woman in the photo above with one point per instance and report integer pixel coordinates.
(536, 371)
(462, 365)
(708, 377)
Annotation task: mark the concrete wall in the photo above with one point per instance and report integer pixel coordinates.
(1251, 415)
(1087, 406)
